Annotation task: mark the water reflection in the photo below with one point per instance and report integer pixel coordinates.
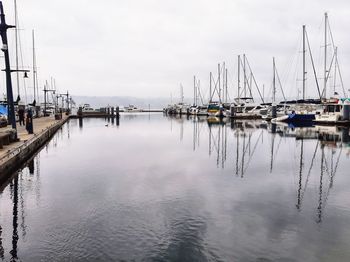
(249, 135)
(20, 185)
(180, 189)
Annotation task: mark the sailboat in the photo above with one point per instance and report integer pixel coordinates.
(303, 111)
(334, 110)
(215, 108)
(244, 107)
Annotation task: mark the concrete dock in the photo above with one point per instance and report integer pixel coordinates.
(12, 156)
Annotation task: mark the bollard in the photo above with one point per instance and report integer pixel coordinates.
(221, 112)
(273, 128)
(112, 111)
(232, 111)
(345, 135)
(117, 112)
(273, 111)
(80, 122)
(346, 111)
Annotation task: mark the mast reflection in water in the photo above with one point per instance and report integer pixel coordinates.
(180, 189)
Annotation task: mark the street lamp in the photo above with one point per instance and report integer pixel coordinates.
(3, 33)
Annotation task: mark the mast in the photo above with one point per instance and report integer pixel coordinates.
(45, 98)
(194, 90)
(226, 85)
(16, 46)
(244, 77)
(219, 82)
(3, 32)
(182, 93)
(210, 88)
(274, 81)
(304, 66)
(335, 69)
(325, 55)
(239, 78)
(34, 66)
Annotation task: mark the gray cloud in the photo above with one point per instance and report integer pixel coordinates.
(146, 48)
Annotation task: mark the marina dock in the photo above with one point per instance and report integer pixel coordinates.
(13, 155)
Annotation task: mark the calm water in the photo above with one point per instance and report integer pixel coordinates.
(164, 189)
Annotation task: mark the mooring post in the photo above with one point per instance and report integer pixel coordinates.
(117, 112)
(345, 135)
(273, 111)
(233, 111)
(112, 111)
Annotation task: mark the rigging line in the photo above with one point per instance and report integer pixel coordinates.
(309, 172)
(256, 85)
(327, 168)
(215, 88)
(199, 92)
(332, 178)
(280, 84)
(290, 64)
(329, 72)
(214, 141)
(278, 146)
(340, 76)
(16, 43)
(243, 91)
(330, 33)
(295, 74)
(313, 65)
(251, 155)
(19, 45)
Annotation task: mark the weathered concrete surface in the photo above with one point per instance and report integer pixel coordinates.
(14, 155)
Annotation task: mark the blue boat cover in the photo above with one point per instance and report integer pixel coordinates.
(3, 110)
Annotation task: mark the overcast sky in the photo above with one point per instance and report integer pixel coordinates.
(146, 48)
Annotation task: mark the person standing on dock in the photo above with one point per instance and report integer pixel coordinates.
(29, 122)
(21, 115)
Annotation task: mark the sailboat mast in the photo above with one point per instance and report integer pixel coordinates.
(274, 81)
(335, 69)
(210, 88)
(239, 78)
(16, 45)
(226, 85)
(244, 76)
(34, 66)
(325, 55)
(194, 90)
(219, 83)
(223, 81)
(304, 66)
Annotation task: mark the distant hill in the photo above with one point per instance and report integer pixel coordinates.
(102, 101)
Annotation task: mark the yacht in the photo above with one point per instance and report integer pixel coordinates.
(214, 109)
(334, 111)
(86, 108)
(132, 108)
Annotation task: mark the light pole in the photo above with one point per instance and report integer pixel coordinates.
(10, 104)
